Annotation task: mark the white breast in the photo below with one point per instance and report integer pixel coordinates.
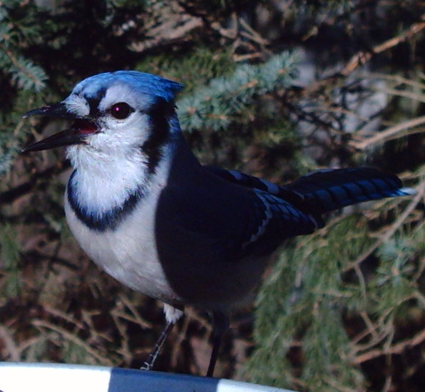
(129, 253)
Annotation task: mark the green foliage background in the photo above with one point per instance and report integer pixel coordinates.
(275, 88)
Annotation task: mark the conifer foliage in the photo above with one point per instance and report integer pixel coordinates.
(275, 88)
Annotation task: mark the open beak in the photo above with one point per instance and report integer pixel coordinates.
(76, 134)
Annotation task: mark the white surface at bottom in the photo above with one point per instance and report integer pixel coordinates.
(46, 377)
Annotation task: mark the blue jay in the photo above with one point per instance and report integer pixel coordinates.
(147, 212)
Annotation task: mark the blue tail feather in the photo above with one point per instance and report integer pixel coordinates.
(329, 190)
(326, 190)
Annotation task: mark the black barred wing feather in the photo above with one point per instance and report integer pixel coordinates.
(281, 212)
(329, 190)
(272, 221)
(252, 182)
(326, 190)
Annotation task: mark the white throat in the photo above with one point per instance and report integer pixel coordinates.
(104, 181)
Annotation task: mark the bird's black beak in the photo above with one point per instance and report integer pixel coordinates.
(76, 134)
(57, 110)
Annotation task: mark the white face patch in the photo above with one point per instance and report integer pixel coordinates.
(113, 163)
(116, 136)
(124, 93)
(77, 105)
(121, 135)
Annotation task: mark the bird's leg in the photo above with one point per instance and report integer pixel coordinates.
(148, 365)
(172, 314)
(220, 326)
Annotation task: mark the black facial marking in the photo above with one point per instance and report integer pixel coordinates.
(105, 221)
(94, 101)
(159, 114)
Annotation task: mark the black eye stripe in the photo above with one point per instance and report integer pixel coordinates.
(94, 102)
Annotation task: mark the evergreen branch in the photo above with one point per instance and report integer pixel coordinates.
(392, 230)
(64, 316)
(8, 149)
(400, 93)
(74, 339)
(10, 252)
(388, 134)
(167, 34)
(397, 79)
(398, 348)
(215, 105)
(135, 316)
(362, 57)
(11, 195)
(38, 83)
(14, 354)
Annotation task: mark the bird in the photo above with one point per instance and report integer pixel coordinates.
(147, 212)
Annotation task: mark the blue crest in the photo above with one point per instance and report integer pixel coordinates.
(146, 83)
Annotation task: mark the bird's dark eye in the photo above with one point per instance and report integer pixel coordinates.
(120, 110)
